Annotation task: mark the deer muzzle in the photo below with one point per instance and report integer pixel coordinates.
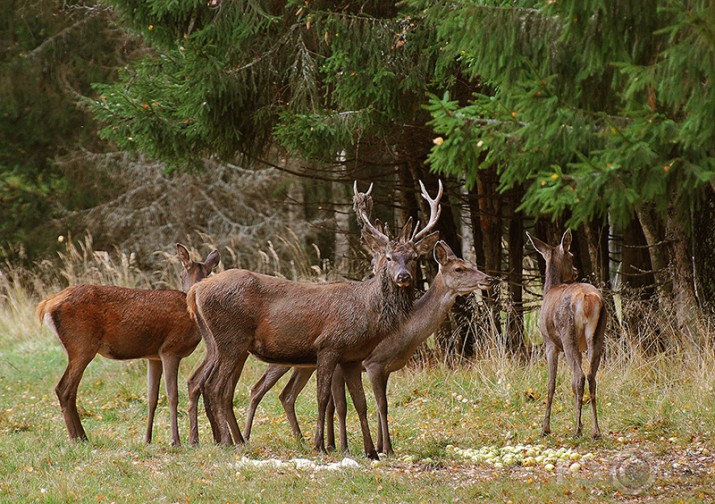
(403, 279)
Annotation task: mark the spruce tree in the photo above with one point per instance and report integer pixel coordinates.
(600, 109)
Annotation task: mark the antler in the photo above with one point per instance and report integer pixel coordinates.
(435, 210)
(362, 204)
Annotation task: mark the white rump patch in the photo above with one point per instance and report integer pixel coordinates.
(51, 324)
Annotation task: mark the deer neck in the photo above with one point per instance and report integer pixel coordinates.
(431, 308)
(552, 277)
(391, 303)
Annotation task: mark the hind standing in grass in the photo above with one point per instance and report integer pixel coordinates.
(121, 323)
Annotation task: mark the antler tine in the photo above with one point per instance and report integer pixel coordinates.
(435, 211)
(357, 193)
(362, 204)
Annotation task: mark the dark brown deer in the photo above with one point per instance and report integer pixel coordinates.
(120, 323)
(572, 320)
(301, 324)
(456, 277)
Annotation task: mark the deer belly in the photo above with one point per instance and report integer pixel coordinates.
(123, 352)
(276, 353)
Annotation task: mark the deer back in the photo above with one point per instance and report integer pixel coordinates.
(121, 323)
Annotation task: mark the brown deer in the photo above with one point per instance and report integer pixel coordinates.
(121, 323)
(299, 324)
(456, 277)
(572, 319)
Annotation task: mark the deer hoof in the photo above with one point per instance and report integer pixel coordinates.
(373, 455)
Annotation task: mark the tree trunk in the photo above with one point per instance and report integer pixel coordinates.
(636, 268)
(515, 304)
(343, 210)
(704, 253)
(490, 222)
(687, 311)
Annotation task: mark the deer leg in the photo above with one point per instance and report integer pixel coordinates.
(330, 424)
(339, 404)
(595, 362)
(573, 358)
(214, 390)
(353, 378)
(66, 391)
(378, 379)
(171, 379)
(290, 393)
(152, 394)
(228, 394)
(379, 443)
(258, 391)
(194, 386)
(209, 408)
(578, 382)
(552, 360)
(327, 361)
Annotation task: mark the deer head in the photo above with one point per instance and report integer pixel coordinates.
(459, 276)
(195, 271)
(399, 254)
(559, 261)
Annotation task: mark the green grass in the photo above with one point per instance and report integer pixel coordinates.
(662, 408)
(657, 411)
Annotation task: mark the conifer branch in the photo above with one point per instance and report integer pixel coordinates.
(62, 34)
(270, 52)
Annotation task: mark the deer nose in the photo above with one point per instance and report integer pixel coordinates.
(404, 279)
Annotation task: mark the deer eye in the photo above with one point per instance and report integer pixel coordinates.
(459, 269)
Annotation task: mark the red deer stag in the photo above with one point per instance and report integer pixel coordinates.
(456, 277)
(299, 324)
(572, 319)
(120, 323)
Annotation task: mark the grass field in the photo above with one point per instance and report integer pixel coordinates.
(657, 415)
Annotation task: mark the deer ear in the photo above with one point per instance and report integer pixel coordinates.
(375, 243)
(541, 247)
(442, 252)
(184, 255)
(212, 260)
(427, 243)
(566, 241)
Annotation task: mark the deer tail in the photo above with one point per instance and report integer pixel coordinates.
(191, 306)
(48, 305)
(598, 335)
(40, 310)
